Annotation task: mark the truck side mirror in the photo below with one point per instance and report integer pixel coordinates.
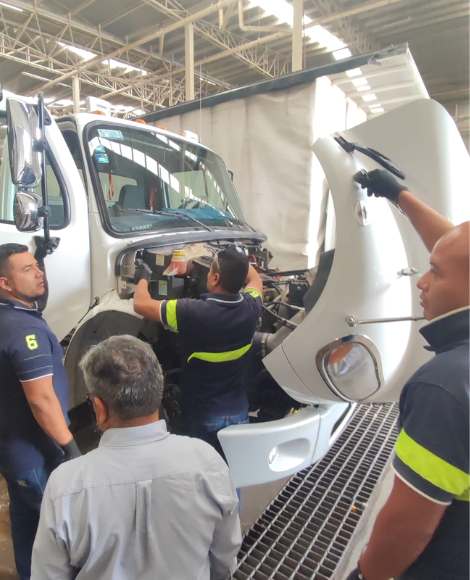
(24, 164)
(24, 159)
(29, 211)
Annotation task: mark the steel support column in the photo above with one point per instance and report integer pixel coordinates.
(297, 36)
(76, 94)
(189, 60)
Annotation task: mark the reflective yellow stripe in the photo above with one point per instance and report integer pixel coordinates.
(171, 314)
(465, 496)
(254, 292)
(221, 356)
(430, 467)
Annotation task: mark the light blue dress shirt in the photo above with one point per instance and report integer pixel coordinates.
(144, 505)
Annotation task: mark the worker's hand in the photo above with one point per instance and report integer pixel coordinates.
(142, 271)
(43, 249)
(381, 183)
(71, 450)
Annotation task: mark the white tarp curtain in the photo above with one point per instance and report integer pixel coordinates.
(266, 140)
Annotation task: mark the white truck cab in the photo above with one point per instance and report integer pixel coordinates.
(119, 189)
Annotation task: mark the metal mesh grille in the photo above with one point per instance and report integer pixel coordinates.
(305, 530)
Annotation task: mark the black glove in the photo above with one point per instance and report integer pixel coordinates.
(356, 575)
(142, 271)
(43, 249)
(71, 450)
(380, 183)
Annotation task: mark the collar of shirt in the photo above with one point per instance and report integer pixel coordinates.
(19, 305)
(128, 436)
(223, 298)
(447, 331)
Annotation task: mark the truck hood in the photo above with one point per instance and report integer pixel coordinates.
(174, 238)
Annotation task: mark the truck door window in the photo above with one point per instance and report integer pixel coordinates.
(7, 189)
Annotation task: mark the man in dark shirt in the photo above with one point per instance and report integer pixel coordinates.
(422, 532)
(34, 393)
(216, 334)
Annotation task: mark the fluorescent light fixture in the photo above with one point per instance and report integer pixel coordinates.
(354, 72)
(359, 82)
(369, 97)
(284, 12)
(378, 110)
(342, 53)
(11, 7)
(364, 88)
(374, 106)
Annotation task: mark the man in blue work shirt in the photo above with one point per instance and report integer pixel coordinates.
(422, 532)
(34, 433)
(216, 334)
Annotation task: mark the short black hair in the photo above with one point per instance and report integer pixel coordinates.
(7, 250)
(233, 269)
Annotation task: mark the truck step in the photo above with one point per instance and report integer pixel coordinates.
(306, 529)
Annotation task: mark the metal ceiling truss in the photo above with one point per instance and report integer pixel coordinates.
(349, 29)
(28, 44)
(34, 53)
(266, 61)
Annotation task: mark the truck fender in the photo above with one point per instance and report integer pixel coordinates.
(111, 317)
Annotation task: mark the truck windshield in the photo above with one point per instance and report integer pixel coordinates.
(149, 181)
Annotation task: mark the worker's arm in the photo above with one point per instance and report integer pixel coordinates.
(432, 470)
(47, 410)
(253, 280)
(403, 529)
(144, 304)
(227, 538)
(30, 353)
(50, 559)
(429, 224)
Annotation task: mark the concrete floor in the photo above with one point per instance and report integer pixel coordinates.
(254, 502)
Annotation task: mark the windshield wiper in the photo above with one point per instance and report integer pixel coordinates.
(171, 213)
(178, 212)
(237, 222)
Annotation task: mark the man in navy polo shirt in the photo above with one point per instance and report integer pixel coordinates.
(422, 532)
(34, 433)
(216, 333)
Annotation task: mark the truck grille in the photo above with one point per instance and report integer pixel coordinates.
(307, 527)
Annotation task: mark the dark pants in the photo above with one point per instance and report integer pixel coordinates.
(25, 489)
(207, 429)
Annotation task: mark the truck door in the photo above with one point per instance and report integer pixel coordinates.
(68, 268)
(345, 349)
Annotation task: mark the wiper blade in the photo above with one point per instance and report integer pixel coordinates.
(380, 158)
(171, 213)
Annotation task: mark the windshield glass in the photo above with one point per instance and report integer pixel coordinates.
(149, 181)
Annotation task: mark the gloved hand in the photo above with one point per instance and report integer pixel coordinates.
(381, 183)
(71, 450)
(44, 249)
(142, 271)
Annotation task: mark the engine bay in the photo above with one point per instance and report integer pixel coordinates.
(180, 271)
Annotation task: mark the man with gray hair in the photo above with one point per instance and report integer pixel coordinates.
(145, 504)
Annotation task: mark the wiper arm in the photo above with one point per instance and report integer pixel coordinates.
(171, 213)
(237, 222)
(178, 212)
